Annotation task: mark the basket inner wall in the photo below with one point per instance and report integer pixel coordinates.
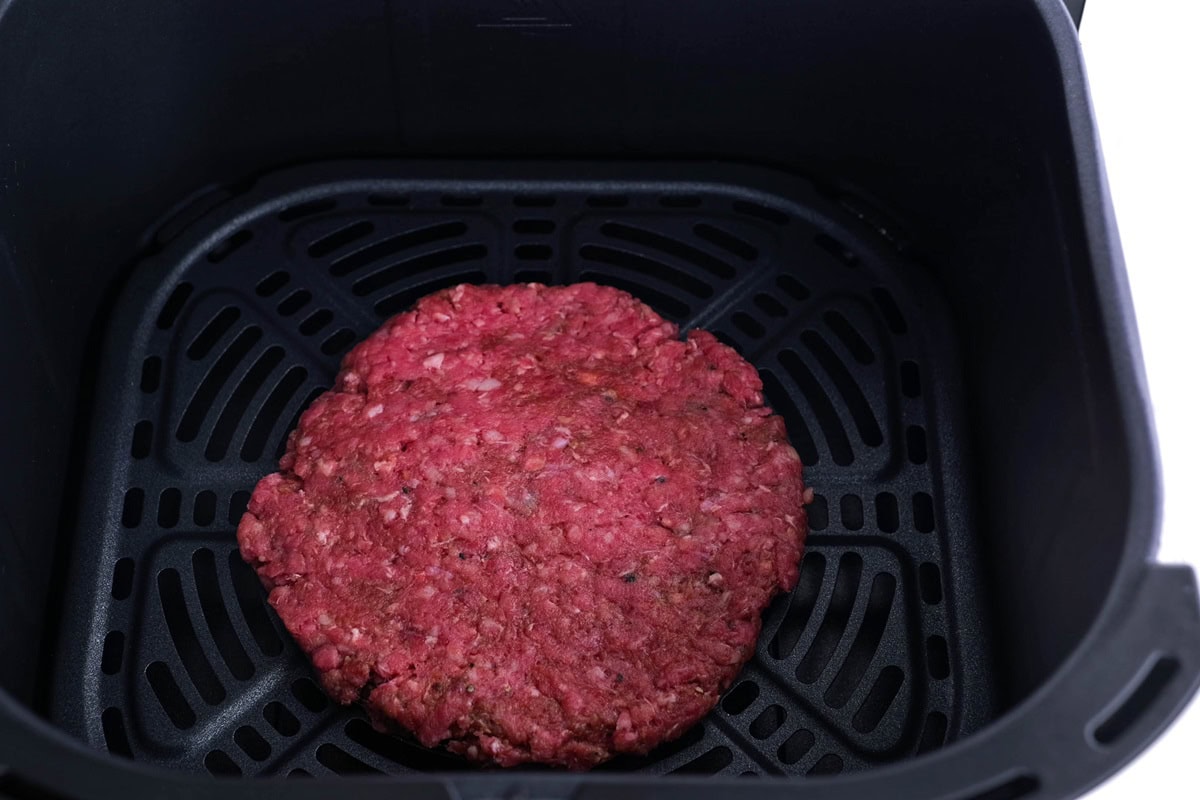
(950, 117)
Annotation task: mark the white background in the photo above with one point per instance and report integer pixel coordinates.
(1143, 63)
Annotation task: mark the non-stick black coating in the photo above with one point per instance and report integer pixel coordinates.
(877, 654)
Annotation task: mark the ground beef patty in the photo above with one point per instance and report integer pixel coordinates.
(531, 523)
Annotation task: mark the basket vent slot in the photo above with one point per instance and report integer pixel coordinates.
(397, 243)
(218, 762)
(800, 606)
(833, 626)
(122, 580)
(341, 762)
(252, 743)
(740, 697)
(115, 736)
(212, 604)
(709, 763)
(170, 696)
(252, 602)
(340, 238)
(187, 644)
(769, 720)
(796, 746)
(281, 719)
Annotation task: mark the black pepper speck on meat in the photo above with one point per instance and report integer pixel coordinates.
(532, 524)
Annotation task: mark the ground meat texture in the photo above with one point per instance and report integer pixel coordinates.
(532, 524)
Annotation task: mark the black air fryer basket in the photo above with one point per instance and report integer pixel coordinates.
(897, 212)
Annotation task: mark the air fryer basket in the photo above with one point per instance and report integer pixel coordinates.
(222, 340)
(896, 211)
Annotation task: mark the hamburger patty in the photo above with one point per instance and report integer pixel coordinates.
(532, 524)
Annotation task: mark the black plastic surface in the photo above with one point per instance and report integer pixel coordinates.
(1050, 747)
(224, 337)
(967, 123)
(1075, 7)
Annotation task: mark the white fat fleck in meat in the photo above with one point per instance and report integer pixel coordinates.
(305, 441)
(434, 361)
(481, 384)
(383, 498)
(325, 619)
(389, 515)
(493, 437)
(375, 411)
(427, 591)
(323, 536)
(559, 442)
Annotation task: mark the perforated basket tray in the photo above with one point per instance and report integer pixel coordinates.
(222, 337)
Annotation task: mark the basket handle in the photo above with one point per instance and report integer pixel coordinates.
(1134, 679)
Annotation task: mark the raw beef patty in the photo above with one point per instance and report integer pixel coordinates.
(532, 524)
